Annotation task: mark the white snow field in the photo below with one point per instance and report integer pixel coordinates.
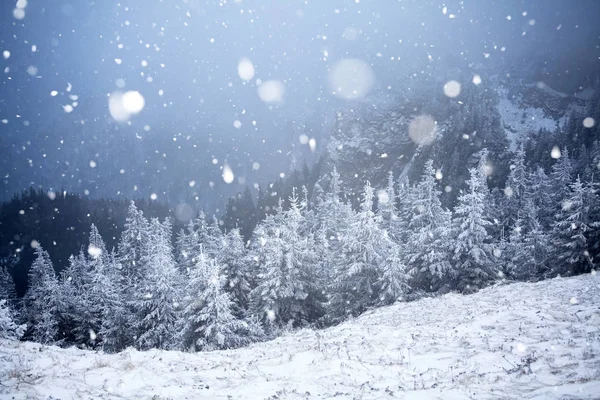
(523, 340)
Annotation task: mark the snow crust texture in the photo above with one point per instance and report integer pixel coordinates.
(523, 340)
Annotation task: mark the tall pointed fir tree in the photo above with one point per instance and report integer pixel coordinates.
(115, 331)
(386, 206)
(569, 234)
(9, 329)
(188, 324)
(541, 192)
(473, 266)
(364, 249)
(7, 285)
(529, 247)
(287, 293)
(427, 250)
(156, 305)
(592, 201)
(218, 327)
(516, 187)
(333, 216)
(74, 316)
(132, 246)
(41, 299)
(233, 258)
(191, 243)
(560, 178)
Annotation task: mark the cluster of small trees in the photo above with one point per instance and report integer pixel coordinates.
(315, 263)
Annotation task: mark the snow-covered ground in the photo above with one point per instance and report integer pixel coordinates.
(534, 341)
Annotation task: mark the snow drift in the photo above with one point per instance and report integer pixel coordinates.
(523, 340)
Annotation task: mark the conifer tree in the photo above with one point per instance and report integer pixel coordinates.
(365, 247)
(426, 250)
(569, 234)
(218, 327)
(8, 328)
(156, 307)
(473, 266)
(41, 299)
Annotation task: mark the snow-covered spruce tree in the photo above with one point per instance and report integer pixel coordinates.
(301, 265)
(560, 179)
(364, 249)
(98, 287)
(541, 193)
(529, 246)
(333, 217)
(156, 304)
(188, 322)
(287, 292)
(569, 234)
(115, 332)
(72, 309)
(131, 248)
(592, 201)
(473, 266)
(8, 328)
(405, 210)
(41, 299)
(386, 207)
(7, 285)
(427, 250)
(87, 285)
(214, 241)
(218, 327)
(233, 258)
(131, 253)
(191, 242)
(516, 187)
(8, 290)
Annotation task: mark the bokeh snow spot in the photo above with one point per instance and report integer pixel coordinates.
(271, 91)
(452, 88)
(422, 130)
(351, 78)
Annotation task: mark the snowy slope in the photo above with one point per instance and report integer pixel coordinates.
(534, 341)
(519, 121)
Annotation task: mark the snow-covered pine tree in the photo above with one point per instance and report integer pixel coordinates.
(157, 305)
(131, 248)
(473, 266)
(233, 258)
(287, 292)
(8, 328)
(426, 250)
(516, 188)
(188, 322)
(41, 299)
(218, 327)
(386, 207)
(529, 248)
(98, 287)
(560, 179)
(191, 242)
(405, 210)
(569, 235)
(364, 248)
(214, 240)
(115, 332)
(7, 285)
(333, 217)
(592, 201)
(131, 252)
(541, 193)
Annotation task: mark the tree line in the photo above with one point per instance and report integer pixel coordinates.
(314, 262)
